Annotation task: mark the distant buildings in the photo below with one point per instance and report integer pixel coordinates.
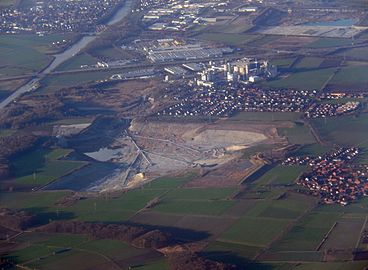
(333, 177)
(56, 16)
(322, 110)
(177, 15)
(224, 99)
(245, 70)
(134, 74)
(184, 52)
(248, 9)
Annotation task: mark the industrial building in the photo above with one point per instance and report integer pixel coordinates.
(184, 52)
(244, 70)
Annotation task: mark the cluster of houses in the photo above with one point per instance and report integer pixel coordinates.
(341, 95)
(280, 100)
(333, 177)
(228, 98)
(323, 110)
(178, 15)
(56, 16)
(207, 102)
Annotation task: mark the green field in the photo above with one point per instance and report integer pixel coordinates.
(312, 150)
(168, 182)
(288, 223)
(42, 44)
(265, 40)
(6, 132)
(333, 266)
(239, 250)
(356, 53)
(350, 77)
(329, 42)
(6, 3)
(308, 233)
(200, 193)
(113, 209)
(257, 232)
(193, 207)
(26, 54)
(196, 201)
(347, 130)
(309, 62)
(283, 62)
(290, 207)
(253, 150)
(77, 61)
(31, 201)
(158, 265)
(41, 166)
(280, 175)
(52, 251)
(74, 121)
(120, 208)
(298, 134)
(265, 116)
(346, 233)
(21, 60)
(356, 208)
(94, 209)
(55, 82)
(262, 223)
(110, 53)
(228, 38)
(306, 80)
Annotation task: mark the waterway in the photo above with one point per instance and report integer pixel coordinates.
(82, 43)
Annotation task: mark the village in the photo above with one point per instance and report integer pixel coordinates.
(56, 16)
(333, 177)
(329, 110)
(229, 99)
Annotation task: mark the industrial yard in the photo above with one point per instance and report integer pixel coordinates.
(315, 31)
(149, 153)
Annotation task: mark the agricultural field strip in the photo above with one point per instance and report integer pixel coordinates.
(76, 246)
(108, 259)
(42, 167)
(361, 231)
(307, 222)
(285, 231)
(277, 237)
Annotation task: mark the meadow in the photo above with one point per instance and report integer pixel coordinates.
(309, 62)
(77, 61)
(298, 134)
(228, 38)
(279, 175)
(26, 53)
(47, 251)
(350, 77)
(265, 116)
(348, 130)
(42, 166)
(304, 80)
